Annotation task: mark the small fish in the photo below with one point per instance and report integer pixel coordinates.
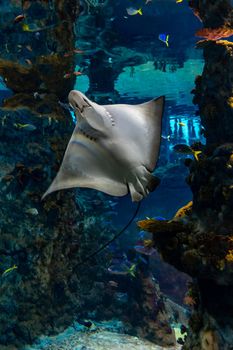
(147, 1)
(14, 267)
(37, 35)
(32, 211)
(77, 74)
(185, 149)
(132, 270)
(25, 27)
(159, 218)
(28, 61)
(67, 75)
(181, 124)
(132, 11)
(164, 38)
(113, 284)
(28, 127)
(144, 250)
(168, 138)
(78, 51)
(19, 18)
(85, 323)
(178, 1)
(123, 269)
(29, 48)
(75, 51)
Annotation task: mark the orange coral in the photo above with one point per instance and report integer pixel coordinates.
(229, 256)
(188, 300)
(230, 102)
(157, 226)
(214, 33)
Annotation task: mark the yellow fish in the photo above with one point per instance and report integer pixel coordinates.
(132, 270)
(181, 124)
(14, 267)
(178, 1)
(185, 149)
(196, 153)
(25, 27)
(132, 11)
(28, 127)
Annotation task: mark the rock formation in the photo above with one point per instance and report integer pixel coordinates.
(198, 240)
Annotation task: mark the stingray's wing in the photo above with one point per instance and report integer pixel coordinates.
(87, 164)
(137, 132)
(152, 113)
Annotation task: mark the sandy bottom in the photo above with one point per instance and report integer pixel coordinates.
(99, 340)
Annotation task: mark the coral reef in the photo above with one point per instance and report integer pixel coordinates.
(214, 99)
(45, 240)
(30, 71)
(198, 240)
(148, 313)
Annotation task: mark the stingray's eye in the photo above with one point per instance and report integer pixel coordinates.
(85, 101)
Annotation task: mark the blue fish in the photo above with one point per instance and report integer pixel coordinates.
(159, 218)
(164, 38)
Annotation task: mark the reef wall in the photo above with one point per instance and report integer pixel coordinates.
(199, 239)
(42, 287)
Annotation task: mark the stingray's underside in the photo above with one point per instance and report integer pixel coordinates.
(109, 164)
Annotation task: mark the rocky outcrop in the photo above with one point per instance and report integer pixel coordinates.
(199, 240)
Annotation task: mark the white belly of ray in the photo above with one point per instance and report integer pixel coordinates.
(113, 149)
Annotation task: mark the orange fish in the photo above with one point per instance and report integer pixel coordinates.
(77, 74)
(19, 18)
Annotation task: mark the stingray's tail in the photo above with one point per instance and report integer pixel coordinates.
(89, 257)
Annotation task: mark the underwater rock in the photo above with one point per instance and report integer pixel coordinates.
(213, 91)
(31, 68)
(148, 314)
(45, 293)
(213, 14)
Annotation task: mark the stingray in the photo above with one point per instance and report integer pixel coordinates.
(113, 149)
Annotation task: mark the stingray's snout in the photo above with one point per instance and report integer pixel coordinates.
(78, 101)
